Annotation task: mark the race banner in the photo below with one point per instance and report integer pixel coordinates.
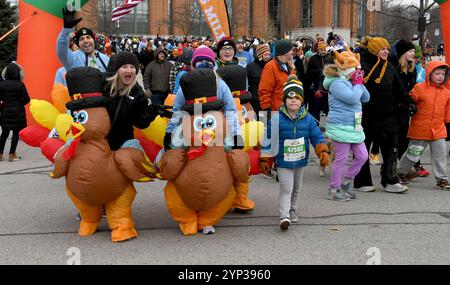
(216, 15)
(36, 51)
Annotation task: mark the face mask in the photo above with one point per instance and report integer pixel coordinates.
(205, 64)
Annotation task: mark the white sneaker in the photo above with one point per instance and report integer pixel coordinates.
(365, 189)
(293, 216)
(208, 230)
(395, 188)
(285, 223)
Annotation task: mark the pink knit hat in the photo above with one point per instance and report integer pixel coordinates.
(203, 53)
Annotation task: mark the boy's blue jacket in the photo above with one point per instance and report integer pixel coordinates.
(283, 127)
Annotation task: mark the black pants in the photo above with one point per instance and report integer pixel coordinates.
(403, 140)
(388, 145)
(14, 141)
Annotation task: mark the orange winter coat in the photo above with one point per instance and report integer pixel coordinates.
(271, 85)
(433, 104)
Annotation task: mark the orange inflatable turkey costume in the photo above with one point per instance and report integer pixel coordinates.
(96, 177)
(235, 76)
(200, 177)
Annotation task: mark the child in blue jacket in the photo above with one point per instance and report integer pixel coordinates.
(289, 133)
(344, 81)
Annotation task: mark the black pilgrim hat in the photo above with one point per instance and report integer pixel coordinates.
(200, 87)
(86, 85)
(235, 76)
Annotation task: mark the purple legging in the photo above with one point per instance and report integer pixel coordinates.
(341, 151)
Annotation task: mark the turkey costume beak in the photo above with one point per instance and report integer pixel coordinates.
(77, 130)
(206, 136)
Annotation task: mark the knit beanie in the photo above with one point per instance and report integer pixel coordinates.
(293, 88)
(282, 47)
(203, 53)
(226, 41)
(124, 58)
(82, 32)
(403, 47)
(374, 45)
(260, 50)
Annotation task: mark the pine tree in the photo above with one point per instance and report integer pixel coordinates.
(8, 46)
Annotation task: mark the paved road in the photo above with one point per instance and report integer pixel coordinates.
(38, 226)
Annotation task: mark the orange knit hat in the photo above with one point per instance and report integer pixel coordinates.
(374, 45)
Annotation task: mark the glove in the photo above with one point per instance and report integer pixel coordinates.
(161, 110)
(322, 154)
(320, 93)
(238, 142)
(412, 109)
(358, 77)
(69, 18)
(265, 163)
(167, 141)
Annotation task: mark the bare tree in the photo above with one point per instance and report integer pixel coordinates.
(187, 17)
(271, 29)
(402, 17)
(237, 15)
(103, 10)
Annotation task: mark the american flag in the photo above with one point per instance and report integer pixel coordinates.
(124, 9)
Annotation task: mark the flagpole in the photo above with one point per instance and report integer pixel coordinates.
(16, 27)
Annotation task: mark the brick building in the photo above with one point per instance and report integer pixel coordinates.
(262, 18)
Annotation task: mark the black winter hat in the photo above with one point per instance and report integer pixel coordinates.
(282, 47)
(126, 57)
(82, 32)
(403, 47)
(227, 41)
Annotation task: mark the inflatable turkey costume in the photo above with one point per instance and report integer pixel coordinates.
(96, 177)
(200, 176)
(235, 76)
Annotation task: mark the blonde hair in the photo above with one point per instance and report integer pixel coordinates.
(118, 89)
(406, 66)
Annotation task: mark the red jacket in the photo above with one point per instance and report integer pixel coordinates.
(433, 104)
(270, 89)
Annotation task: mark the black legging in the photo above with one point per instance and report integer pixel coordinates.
(14, 141)
(388, 145)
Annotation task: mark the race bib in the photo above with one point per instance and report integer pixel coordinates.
(294, 150)
(414, 152)
(358, 121)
